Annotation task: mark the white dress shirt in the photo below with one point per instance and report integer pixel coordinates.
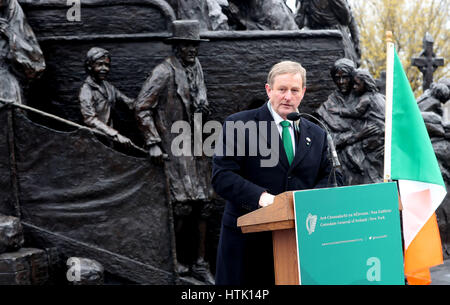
(278, 119)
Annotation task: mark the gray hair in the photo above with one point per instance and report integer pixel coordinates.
(287, 67)
(345, 65)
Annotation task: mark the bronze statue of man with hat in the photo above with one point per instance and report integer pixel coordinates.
(175, 91)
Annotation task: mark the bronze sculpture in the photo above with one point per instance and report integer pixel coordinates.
(433, 98)
(369, 111)
(208, 13)
(332, 14)
(219, 15)
(354, 113)
(430, 104)
(20, 53)
(176, 91)
(98, 97)
(130, 223)
(142, 240)
(259, 15)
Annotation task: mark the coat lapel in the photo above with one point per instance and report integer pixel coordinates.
(263, 114)
(303, 145)
(181, 83)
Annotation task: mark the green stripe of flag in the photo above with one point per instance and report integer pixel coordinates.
(413, 156)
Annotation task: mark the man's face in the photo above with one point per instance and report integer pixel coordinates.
(343, 81)
(188, 52)
(286, 93)
(358, 86)
(100, 68)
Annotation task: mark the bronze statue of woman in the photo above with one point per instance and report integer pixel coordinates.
(20, 54)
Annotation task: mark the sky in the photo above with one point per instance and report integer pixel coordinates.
(291, 4)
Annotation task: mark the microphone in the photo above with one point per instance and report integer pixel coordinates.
(295, 117)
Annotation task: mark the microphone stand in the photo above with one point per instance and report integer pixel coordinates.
(295, 116)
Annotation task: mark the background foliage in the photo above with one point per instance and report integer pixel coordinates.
(409, 21)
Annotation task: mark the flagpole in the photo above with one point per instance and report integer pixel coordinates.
(388, 115)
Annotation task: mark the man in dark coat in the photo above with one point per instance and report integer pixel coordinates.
(248, 184)
(174, 92)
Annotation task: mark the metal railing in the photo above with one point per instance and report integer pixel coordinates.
(70, 123)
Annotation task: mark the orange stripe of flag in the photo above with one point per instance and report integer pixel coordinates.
(425, 251)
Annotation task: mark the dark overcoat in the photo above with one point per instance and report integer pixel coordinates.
(240, 180)
(166, 99)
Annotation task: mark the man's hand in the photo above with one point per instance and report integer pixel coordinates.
(203, 108)
(266, 199)
(371, 130)
(156, 154)
(155, 151)
(122, 139)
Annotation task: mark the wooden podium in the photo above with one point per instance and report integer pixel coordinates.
(278, 218)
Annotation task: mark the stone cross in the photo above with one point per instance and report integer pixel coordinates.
(427, 62)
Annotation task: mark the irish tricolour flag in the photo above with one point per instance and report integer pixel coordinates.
(410, 159)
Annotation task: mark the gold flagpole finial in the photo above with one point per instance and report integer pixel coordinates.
(389, 37)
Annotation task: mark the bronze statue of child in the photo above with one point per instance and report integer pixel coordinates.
(98, 97)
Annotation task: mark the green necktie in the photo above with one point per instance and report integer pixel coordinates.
(287, 141)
